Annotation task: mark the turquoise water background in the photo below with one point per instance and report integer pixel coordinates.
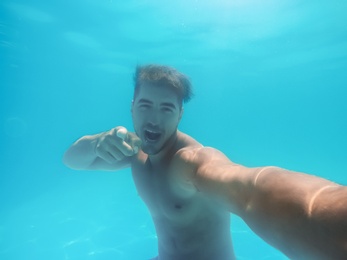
(270, 80)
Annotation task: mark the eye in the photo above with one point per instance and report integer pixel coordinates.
(167, 109)
(143, 106)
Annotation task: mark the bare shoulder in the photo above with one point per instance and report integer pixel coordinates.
(206, 164)
(193, 158)
(200, 155)
(193, 153)
(184, 140)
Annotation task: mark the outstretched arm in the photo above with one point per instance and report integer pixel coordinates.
(303, 216)
(110, 150)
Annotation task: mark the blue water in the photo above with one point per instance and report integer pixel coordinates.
(270, 82)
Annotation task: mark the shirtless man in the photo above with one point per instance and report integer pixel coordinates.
(190, 190)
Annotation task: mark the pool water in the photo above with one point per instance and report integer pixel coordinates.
(270, 89)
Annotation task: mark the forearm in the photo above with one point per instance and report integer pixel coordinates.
(302, 215)
(81, 154)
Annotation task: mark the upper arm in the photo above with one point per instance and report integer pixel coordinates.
(214, 174)
(201, 165)
(204, 160)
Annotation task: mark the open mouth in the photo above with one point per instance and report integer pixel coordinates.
(152, 136)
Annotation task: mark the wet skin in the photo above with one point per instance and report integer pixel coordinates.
(190, 189)
(189, 224)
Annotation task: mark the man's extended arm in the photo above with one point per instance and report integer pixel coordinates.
(303, 216)
(110, 150)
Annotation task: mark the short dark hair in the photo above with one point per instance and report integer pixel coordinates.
(165, 76)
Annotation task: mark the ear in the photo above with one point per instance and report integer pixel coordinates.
(181, 113)
(132, 106)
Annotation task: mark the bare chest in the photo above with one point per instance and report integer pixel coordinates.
(163, 196)
(188, 225)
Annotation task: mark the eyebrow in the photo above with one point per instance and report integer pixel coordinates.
(168, 104)
(165, 104)
(142, 100)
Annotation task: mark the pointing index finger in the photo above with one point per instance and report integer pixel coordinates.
(125, 147)
(122, 133)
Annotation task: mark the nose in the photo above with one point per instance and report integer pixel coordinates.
(154, 118)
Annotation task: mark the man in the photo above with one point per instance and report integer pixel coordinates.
(190, 189)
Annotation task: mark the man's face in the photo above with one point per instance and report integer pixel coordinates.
(156, 113)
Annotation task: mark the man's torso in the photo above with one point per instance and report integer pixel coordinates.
(189, 224)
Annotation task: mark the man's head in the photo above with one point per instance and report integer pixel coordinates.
(157, 105)
(164, 77)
